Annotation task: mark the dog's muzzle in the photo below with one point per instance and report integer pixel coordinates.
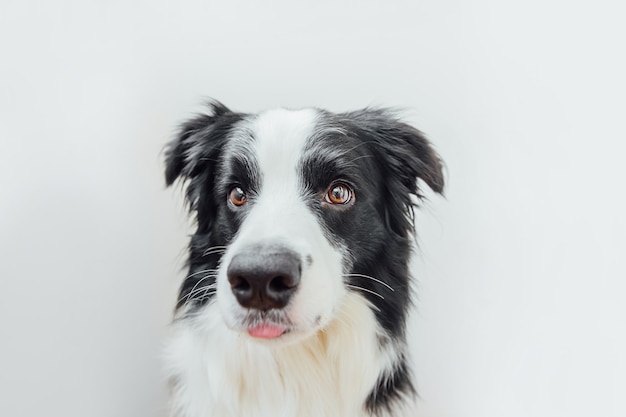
(264, 277)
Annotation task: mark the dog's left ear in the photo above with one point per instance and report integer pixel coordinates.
(404, 150)
(411, 156)
(404, 156)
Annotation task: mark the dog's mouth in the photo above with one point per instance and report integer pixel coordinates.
(267, 331)
(268, 324)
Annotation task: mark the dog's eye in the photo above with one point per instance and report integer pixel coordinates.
(339, 193)
(237, 196)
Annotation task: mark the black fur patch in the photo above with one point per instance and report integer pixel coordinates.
(390, 387)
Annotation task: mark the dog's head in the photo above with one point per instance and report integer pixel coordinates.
(297, 208)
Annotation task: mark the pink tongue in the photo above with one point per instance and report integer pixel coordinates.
(266, 331)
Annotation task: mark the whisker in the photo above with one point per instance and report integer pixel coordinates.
(206, 293)
(365, 289)
(188, 295)
(374, 307)
(214, 249)
(200, 289)
(372, 278)
(200, 272)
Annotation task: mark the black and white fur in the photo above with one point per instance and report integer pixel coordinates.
(343, 352)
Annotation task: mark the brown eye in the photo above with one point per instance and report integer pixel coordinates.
(237, 196)
(339, 194)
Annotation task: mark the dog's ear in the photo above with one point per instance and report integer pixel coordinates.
(197, 142)
(194, 154)
(410, 155)
(405, 155)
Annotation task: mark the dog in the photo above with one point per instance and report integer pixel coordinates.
(296, 299)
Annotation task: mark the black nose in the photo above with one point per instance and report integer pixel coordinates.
(264, 278)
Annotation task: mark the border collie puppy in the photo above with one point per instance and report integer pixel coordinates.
(296, 299)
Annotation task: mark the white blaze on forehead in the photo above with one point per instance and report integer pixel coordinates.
(280, 137)
(278, 212)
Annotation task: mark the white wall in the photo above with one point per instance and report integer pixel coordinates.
(522, 270)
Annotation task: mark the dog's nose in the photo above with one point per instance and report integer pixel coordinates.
(264, 278)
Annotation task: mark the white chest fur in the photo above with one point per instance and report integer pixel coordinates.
(219, 373)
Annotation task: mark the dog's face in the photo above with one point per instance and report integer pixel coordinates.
(294, 210)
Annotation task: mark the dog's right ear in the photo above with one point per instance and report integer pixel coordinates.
(193, 157)
(197, 143)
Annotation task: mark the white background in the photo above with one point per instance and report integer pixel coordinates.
(522, 266)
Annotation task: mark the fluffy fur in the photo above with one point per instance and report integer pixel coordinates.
(343, 349)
